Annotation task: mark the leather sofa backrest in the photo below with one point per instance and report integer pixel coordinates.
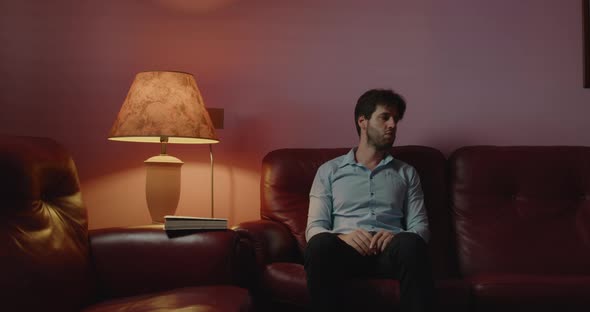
(522, 209)
(287, 175)
(44, 258)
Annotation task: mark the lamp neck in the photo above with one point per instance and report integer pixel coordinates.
(164, 142)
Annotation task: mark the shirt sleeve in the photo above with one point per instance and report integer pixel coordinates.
(416, 216)
(319, 217)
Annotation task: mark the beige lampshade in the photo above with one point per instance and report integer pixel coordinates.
(164, 105)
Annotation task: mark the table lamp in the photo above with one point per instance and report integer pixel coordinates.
(165, 107)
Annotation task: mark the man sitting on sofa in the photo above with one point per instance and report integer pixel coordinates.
(367, 216)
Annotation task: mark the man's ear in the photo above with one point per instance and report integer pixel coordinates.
(362, 122)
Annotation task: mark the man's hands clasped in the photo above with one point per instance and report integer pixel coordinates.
(367, 244)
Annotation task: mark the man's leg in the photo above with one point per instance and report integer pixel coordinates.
(406, 259)
(328, 262)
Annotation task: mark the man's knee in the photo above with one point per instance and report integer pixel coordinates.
(320, 244)
(411, 237)
(411, 246)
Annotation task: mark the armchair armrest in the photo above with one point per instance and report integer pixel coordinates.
(271, 240)
(131, 261)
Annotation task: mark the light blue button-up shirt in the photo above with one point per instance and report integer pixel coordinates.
(345, 196)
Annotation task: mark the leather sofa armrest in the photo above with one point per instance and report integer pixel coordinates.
(271, 241)
(131, 261)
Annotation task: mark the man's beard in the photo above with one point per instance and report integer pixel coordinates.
(378, 141)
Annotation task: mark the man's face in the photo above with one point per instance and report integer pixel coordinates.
(381, 127)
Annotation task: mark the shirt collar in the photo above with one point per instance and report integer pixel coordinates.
(349, 159)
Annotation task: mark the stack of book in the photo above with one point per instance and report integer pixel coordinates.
(192, 223)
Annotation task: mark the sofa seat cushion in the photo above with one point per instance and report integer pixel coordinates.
(287, 283)
(531, 289)
(205, 298)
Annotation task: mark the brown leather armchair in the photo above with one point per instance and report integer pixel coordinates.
(50, 261)
(279, 241)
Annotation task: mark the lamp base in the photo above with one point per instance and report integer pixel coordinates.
(162, 186)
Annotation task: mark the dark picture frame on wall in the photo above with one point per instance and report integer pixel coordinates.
(586, 18)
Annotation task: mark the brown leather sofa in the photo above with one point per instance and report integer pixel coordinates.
(50, 261)
(510, 228)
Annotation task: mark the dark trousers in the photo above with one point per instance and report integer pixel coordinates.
(330, 263)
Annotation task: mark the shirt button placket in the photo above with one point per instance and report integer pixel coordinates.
(372, 200)
(371, 185)
(371, 190)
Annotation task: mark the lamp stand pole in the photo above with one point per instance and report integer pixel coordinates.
(212, 199)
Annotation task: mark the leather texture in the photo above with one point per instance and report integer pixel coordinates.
(522, 210)
(49, 262)
(43, 228)
(272, 241)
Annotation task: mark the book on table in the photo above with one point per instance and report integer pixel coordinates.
(194, 223)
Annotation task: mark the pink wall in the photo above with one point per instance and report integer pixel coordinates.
(288, 74)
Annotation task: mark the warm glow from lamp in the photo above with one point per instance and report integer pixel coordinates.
(165, 107)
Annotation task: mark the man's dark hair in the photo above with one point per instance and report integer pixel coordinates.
(368, 102)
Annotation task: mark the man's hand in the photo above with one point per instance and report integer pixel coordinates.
(359, 240)
(380, 241)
